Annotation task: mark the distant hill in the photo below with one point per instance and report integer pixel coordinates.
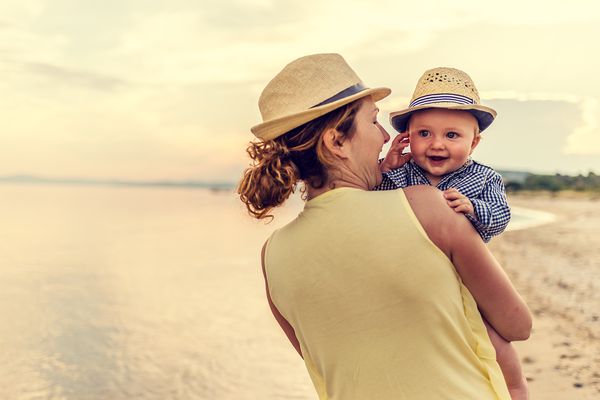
(33, 179)
(514, 176)
(516, 181)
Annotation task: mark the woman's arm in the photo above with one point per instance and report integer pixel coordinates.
(498, 300)
(509, 363)
(481, 273)
(287, 328)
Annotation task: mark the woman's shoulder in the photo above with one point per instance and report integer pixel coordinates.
(427, 202)
(438, 220)
(423, 194)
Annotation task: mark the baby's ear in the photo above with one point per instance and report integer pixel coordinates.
(475, 142)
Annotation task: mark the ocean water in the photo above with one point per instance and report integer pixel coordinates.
(120, 293)
(138, 293)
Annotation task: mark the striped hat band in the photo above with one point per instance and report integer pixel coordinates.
(441, 98)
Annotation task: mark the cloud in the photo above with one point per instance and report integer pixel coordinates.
(247, 43)
(21, 10)
(73, 77)
(585, 139)
(584, 136)
(530, 96)
(150, 88)
(533, 135)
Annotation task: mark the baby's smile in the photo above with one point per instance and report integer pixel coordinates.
(437, 158)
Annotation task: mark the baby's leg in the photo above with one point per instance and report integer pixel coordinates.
(508, 359)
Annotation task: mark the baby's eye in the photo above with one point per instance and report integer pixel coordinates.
(423, 133)
(452, 135)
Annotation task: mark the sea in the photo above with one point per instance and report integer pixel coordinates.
(110, 293)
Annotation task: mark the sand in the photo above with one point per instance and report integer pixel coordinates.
(556, 267)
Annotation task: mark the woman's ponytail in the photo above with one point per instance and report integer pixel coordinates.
(271, 178)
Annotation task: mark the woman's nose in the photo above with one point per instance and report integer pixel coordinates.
(386, 136)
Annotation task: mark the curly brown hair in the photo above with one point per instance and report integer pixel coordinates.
(298, 155)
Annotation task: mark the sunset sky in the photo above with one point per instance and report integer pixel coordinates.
(144, 89)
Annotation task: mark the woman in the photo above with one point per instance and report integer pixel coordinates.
(365, 284)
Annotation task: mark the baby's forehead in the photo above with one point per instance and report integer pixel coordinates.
(443, 116)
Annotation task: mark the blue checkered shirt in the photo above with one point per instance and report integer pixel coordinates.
(479, 183)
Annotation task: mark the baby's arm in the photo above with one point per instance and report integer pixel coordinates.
(508, 359)
(489, 213)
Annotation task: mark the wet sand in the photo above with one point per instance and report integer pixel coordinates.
(556, 267)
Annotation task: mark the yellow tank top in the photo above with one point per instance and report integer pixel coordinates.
(378, 309)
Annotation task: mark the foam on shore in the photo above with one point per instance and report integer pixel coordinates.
(523, 218)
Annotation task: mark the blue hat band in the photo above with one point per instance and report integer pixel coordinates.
(352, 90)
(441, 98)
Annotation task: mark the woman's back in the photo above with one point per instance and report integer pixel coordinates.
(379, 311)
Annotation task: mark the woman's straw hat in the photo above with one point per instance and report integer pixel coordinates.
(308, 88)
(445, 88)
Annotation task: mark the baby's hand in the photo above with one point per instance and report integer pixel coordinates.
(458, 202)
(394, 158)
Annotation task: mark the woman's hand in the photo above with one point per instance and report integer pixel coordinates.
(395, 158)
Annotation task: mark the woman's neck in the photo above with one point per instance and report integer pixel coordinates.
(312, 192)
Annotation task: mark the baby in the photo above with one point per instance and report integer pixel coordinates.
(441, 152)
(443, 125)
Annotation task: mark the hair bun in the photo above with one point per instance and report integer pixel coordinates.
(270, 180)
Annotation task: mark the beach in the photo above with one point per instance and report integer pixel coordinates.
(556, 266)
(155, 293)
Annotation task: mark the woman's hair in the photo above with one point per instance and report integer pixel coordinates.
(278, 164)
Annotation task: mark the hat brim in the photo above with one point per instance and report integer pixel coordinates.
(484, 115)
(271, 129)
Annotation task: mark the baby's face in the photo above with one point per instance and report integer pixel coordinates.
(442, 140)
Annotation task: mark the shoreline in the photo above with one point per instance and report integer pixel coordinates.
(554, 264)
(529, 218)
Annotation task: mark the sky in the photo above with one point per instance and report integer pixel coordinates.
(148, 89)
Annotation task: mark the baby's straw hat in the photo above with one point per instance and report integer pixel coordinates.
(445, 88)
(306, 89)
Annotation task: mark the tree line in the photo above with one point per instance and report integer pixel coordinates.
(555, 183)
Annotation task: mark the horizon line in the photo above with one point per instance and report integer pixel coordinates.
(187, 183)
(508, 175)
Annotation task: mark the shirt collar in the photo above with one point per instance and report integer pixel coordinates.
(420, 171)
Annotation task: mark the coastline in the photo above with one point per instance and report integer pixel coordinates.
(525, 218)
(554, 264)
